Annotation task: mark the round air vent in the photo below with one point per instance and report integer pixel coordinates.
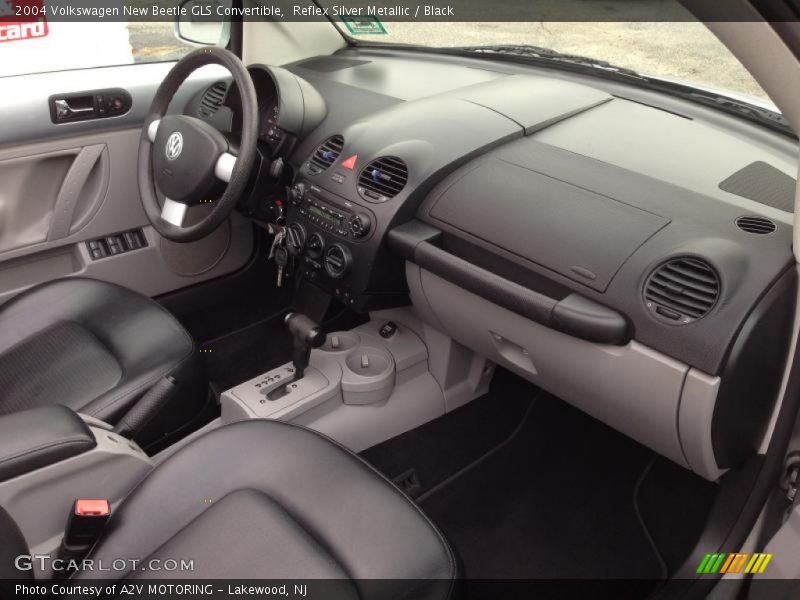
(337, 261)
(755, 224)
(682, 290)
(326, 154)
(382, 179)
(213, 98)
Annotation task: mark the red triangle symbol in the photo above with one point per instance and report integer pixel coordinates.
(350, 163)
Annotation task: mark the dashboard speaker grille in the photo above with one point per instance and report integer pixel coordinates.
(682, 290)
(213, 98)
(383, 179)
(326, 154)
(755, 224)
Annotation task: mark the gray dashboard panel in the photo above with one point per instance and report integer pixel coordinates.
(404, 80)
(683, 151)
(532, 215)
(534, 102)
(699, 226)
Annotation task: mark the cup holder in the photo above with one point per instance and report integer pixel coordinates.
(368, 376)
(340, 341)
(368, 362)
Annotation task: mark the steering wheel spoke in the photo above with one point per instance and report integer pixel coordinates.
(224, 167)
(174, 212)
(152, 130)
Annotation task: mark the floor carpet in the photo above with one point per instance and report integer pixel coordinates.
(527, 487)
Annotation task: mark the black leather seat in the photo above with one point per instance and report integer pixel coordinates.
(269, 500)
(97, 348)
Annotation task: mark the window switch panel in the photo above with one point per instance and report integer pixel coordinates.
(115, 244)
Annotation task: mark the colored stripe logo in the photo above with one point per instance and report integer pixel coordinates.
(723, 562)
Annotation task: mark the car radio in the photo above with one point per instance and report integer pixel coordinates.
(350, 222)
(326, 217)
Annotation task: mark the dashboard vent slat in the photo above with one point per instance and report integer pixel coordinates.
(755, 224)
(326, 154)
(666, 278)
(213, 98)
(382, 179)
(682, 290)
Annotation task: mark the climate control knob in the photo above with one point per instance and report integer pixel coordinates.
(337, 261)
(360, 225)
(315, 246)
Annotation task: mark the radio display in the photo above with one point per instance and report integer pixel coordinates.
(326, 216)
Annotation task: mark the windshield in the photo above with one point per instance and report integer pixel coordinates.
(686, 52)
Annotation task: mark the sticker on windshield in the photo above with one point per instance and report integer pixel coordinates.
(364, 26)
(32, 25)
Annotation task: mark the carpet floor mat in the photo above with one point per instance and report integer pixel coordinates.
(527, 487)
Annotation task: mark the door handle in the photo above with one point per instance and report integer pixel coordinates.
(65, 111)
(92, 104)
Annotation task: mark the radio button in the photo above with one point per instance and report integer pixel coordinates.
(360, 225)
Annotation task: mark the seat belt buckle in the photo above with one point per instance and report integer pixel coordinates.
(84, 525)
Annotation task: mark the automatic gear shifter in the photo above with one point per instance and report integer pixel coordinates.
(306, 334)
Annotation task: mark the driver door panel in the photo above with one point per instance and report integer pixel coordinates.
(63, 186)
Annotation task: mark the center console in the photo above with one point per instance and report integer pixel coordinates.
(49, 457)
(360, 387)
(329, 236)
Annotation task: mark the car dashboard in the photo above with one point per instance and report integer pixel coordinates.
(609, 246)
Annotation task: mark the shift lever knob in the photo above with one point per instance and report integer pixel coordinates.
(306, 334)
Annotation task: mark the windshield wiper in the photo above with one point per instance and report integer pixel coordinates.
(548, 54)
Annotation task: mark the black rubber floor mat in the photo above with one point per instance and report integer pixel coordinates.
(442, 447)
(557, 501)
(675, 504)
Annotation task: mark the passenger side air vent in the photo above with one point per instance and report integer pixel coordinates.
(682, 290)
(754, 224)
(326, 154)
(383, 179)
(213, 98)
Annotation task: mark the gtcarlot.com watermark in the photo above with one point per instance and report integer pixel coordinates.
(48, 563)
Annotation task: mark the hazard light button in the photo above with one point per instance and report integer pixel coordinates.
(350, 163)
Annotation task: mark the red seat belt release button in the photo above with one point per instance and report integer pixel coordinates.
(92, 508)
(86, 522)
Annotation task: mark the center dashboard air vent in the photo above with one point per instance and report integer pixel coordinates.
(326, 154)
(755, 224)
(382, 179)
(682, 290)
(213, 98)
(337, 261)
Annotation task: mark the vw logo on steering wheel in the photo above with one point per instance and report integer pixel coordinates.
(174, 145)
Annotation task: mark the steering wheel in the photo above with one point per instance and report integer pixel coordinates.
(188, 160)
